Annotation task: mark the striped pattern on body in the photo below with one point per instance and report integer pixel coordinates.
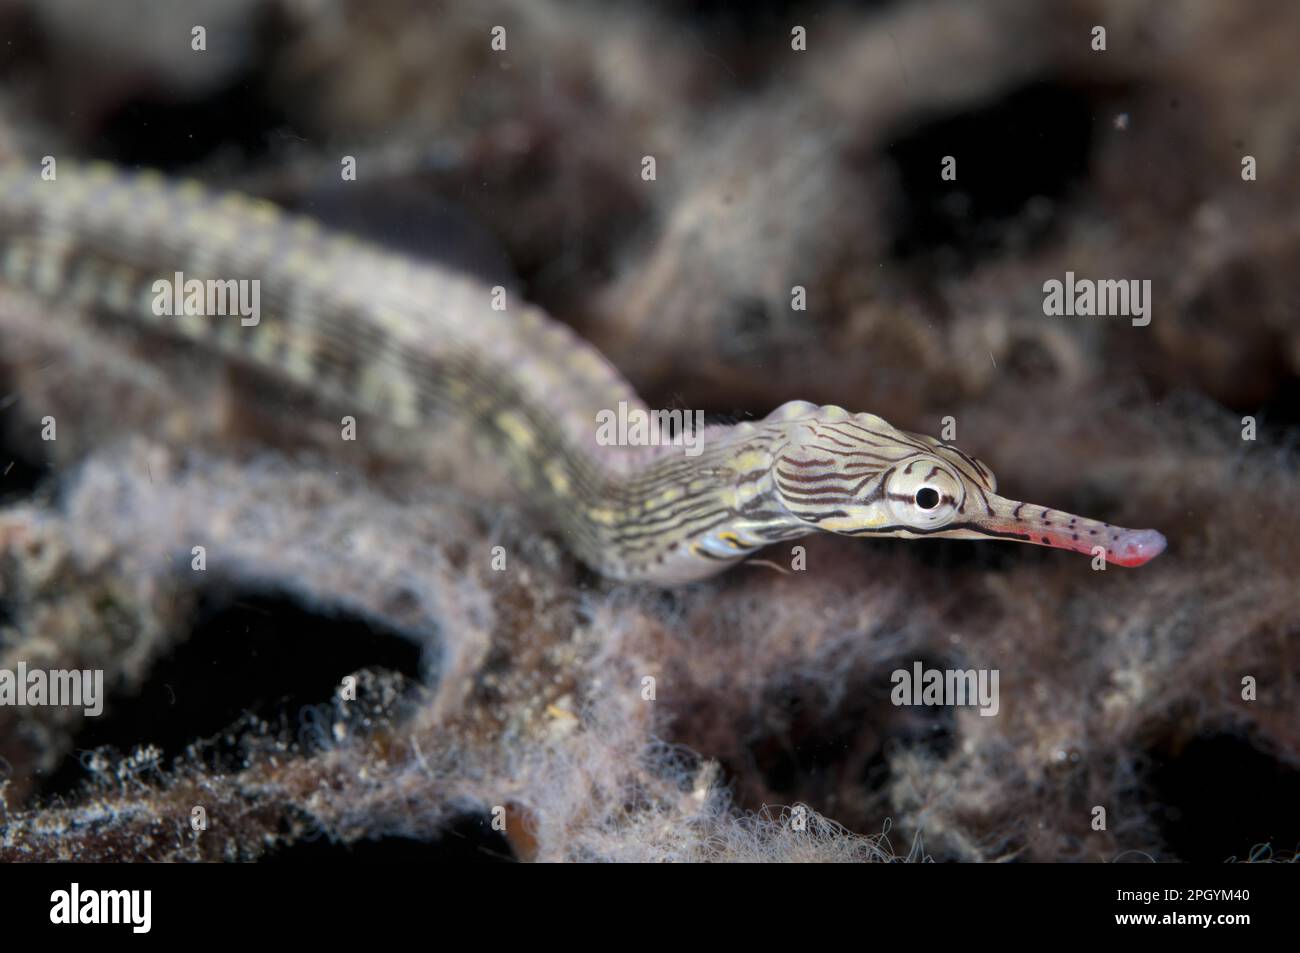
(370, 330)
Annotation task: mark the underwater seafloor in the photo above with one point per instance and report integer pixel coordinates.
(519, 694)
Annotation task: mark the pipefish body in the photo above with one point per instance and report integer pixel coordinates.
(371, 330)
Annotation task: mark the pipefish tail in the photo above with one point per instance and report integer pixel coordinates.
(371, 330)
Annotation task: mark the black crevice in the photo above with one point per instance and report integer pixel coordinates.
(1220, 796)
(1018, 159)
(261, 655)
(468, 839)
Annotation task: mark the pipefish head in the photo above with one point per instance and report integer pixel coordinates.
(855, 475)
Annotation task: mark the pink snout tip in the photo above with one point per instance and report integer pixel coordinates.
(1136, 546)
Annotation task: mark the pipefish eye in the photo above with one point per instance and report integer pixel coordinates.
(923, 493)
